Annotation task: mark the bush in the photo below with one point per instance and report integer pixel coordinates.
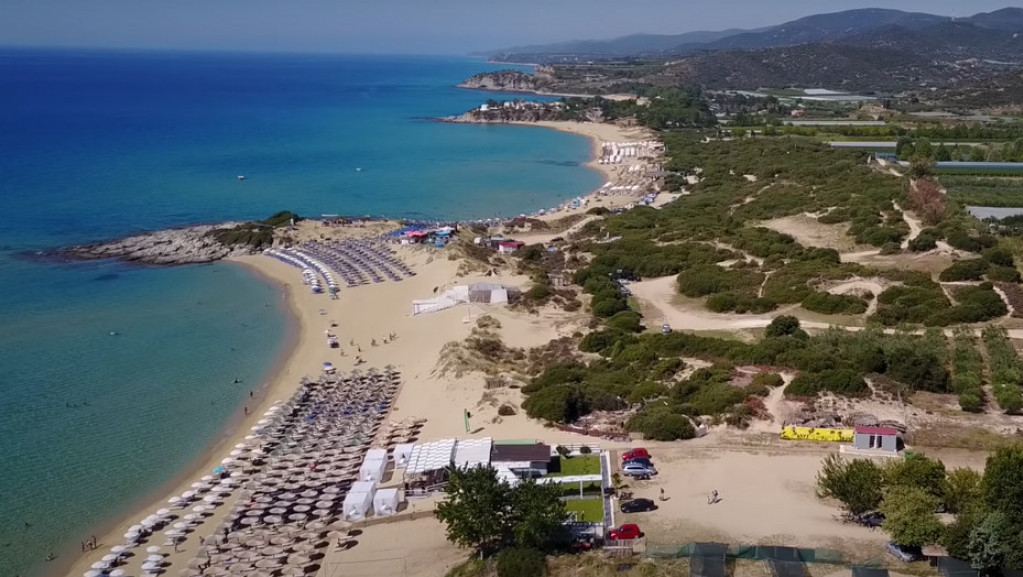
(645, 391)
(521, 562)
(782, 326)
(598, 341)
(662, 426)
(1009, 397)
(538, 292)
(556, 403)
(962, 240)
(1002, 274)
(925, 241)
(768, 380)
(506, 410)
(838, 381)
(626, 322)
(999, 256)
(963, 270)
(971, 402)
(831, 304)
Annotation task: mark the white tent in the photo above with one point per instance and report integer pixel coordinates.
(375, 455)
(471, 453)
(401, 454)
(363, 487)
(356, 505)
(373, 470)
(432, 456)
(385, 502)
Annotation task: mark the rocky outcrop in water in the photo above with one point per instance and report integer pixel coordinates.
(194, 244)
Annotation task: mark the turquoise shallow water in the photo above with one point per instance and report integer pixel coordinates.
(94, 145)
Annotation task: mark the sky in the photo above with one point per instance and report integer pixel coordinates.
(398, 26)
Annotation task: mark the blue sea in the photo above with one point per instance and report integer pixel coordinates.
(115, 376)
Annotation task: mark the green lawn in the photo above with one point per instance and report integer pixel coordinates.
(581, 465)
(587, 510)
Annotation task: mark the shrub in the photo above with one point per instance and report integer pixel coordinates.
(626, 322)
(925, 241)
(831, 304)
(598, 341)
(1003, 274)
(963, 270)
(662, 425)
(521, 562)
(782, 326)
(538, 292)
(839, 381)
(556, 403)
(645, 391)
(768, 380)
(1008, 397)
(506, 410)
(962, 240)
(585, 450)
(999, 256)
(970, 402)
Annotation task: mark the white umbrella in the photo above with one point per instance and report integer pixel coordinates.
(100, 565)
(210, 499)
(153, 549)
(110, 557)
(117, 573)
(206, 478)
(188, 495)
(154, 559)
(118, 549)
(163, 512)
(92, 573)
(236, 474)
(174, 500)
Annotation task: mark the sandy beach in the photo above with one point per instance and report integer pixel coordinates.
(364, 314)
(368, 314)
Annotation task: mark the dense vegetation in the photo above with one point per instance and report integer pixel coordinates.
(988, 508)
(257, 234)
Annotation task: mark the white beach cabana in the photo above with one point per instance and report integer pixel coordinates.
(357, 504)
(385, 502)
(472, 453)
(373, 469)
(401, 454)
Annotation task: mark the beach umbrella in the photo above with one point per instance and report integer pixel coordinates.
(299, 559)
(249, 521)
(117, 573)
(211, 498)
(154, 559)
(267, 563)
(292, 571)
(174, 500)
(188, 495)
(152, 549)
(206, 478)
(118, 549)
(241, 446)
(298, 516)
(274, 519)
(163, 512)
(109, 558)
(92, 573)
(304, 547)
(302, 508)
(199, 485)
(100, 565)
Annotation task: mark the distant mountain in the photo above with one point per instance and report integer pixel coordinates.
(951, 40)
(825, 28)
(984, 35)
(634, 44)
(1010, 19)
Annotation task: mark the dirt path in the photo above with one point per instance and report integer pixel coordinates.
(915, 225)
(656, 296)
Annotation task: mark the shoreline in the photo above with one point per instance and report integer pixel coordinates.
(280, 383)
(299, 357)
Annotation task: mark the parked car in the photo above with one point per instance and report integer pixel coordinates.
(638, 506)
(640, 460)
(905, 553)
(636, 453)
(637, 470)
(625, 532)
(665, 328)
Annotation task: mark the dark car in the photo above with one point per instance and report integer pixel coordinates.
(638, 506)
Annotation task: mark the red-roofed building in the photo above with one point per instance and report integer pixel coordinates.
(876, 439)
(509, 246)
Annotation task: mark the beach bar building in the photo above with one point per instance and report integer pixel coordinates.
(524, 460)
(885, 439)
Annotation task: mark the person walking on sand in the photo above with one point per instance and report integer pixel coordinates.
(713, 497)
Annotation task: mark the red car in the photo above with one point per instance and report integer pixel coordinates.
(625, 532)
(637, 453)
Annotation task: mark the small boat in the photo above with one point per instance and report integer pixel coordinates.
(358, 170)
(241, 177)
